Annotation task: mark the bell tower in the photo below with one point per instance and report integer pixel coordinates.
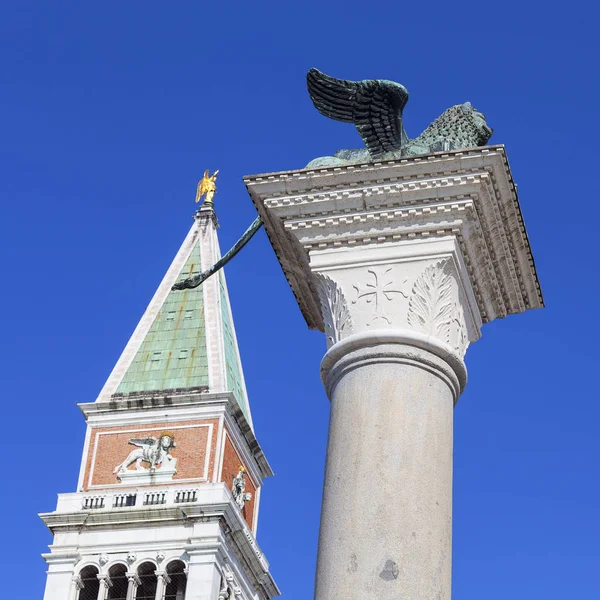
(167, 502)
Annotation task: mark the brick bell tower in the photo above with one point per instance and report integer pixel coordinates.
(167, 501)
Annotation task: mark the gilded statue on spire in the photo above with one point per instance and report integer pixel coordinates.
(207, 186)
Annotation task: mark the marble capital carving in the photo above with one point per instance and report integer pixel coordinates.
(423, 295)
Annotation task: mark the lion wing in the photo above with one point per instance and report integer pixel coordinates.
(374, 106)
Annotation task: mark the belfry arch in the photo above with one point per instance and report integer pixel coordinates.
(119, 583)
(177, 580)
(146, 589)
(88, 583)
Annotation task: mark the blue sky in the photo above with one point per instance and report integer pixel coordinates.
(111, 111)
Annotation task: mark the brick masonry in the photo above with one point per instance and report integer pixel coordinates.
(110, 446)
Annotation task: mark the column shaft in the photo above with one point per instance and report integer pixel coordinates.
(104, 587)
(131, 585)
(386, 524)
(161, 586)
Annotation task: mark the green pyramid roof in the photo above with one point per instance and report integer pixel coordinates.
(170, 347)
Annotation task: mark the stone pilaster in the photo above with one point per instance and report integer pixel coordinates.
(61, 581)
(203, 577)
(400, 263)
(210, 253)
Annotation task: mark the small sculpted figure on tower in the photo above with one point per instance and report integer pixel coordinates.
(238, 488)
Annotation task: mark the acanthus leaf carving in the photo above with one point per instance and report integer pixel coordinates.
(430, 305)
(461, 339)
(336, 316)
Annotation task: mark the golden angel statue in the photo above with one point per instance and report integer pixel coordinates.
(207, 186)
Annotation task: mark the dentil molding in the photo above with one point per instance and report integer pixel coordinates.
(433, 244)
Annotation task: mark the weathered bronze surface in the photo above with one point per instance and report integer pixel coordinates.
(196, 280)
(375, 107)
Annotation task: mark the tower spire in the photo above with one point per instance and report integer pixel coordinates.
(185, 339)
(171, 473)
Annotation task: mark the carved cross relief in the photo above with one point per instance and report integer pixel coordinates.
(379, 291)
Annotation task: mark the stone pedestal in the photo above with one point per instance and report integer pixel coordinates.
(399, 263)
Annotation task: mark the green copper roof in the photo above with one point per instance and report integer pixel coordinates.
(233, 367)
(173, 353)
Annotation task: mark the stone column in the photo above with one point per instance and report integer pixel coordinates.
(105, 585)
(162, 580)
(400, 263)
(76, 586)
(132, 583)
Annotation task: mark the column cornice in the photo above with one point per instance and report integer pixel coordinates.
(467, 196)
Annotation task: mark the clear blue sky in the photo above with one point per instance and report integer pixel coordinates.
(109, 114)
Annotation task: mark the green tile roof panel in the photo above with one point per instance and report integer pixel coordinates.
(173, 353)
(233, 367)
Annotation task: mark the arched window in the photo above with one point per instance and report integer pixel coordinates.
(90, 583)
(147, 588)
(176, 588)
(118, 578)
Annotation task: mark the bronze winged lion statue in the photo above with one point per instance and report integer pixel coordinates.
(375, 106)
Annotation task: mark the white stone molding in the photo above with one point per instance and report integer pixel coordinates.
(103, 559)
(401, 346)
(379, 214)
(209, 254)
(208, 529)
(105, 580)
(133, 577)
(160, 556)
